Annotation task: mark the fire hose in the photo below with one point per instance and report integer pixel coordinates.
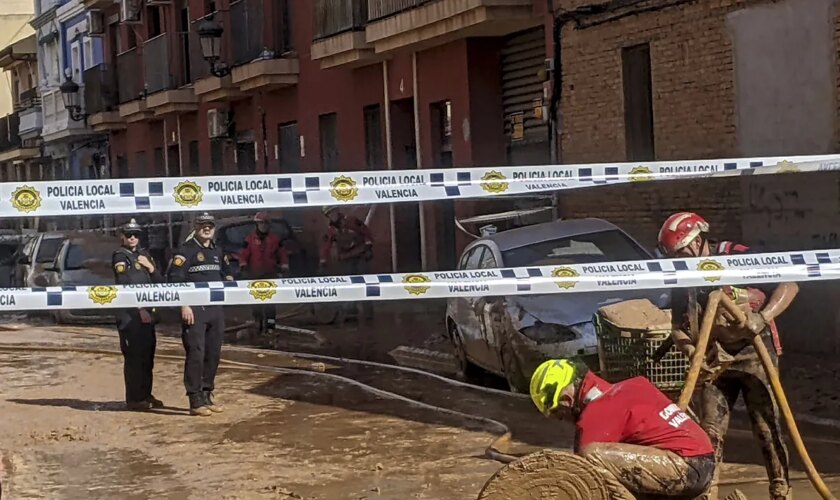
(718, 302)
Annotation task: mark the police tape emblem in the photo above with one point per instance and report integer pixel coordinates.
(641, 173)
(787, 167)
(344, 188)
(102, 294)
(262, 289)
(26, 199)
(188, 194)
(710, 265)
(494, 182)
(569, 277)
(415, 284)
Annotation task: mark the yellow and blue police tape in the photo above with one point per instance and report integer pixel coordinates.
(579, 278)
(260, 192)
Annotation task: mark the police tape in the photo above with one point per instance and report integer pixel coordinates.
(627, 276)
(260, 192)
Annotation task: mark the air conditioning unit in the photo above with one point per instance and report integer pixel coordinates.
(130, 10)
(217, 123)
(96, 23)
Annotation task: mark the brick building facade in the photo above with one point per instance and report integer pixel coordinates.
(306, 93)
(670, 80)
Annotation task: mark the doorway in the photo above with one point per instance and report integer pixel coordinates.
(406, 214)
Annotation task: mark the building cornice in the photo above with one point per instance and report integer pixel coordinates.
(69, 10)
(44, 18)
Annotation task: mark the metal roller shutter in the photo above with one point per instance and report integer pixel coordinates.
(523, 56)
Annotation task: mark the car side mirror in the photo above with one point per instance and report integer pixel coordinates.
(24, 260)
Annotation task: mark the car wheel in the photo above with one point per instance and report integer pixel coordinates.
(466, 371)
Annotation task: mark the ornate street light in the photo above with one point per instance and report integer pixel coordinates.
(72, 100)
(210, 35)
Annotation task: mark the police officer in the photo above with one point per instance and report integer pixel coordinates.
(135, 266)
(199, 260)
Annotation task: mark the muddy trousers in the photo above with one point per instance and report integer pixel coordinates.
(137, 343)
(635, 471)
(362, 309)
(717, 401)
(203, 346)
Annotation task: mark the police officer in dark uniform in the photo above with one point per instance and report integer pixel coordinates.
(135, 266)
(199, 260)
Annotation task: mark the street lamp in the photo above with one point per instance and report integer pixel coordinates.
(72, 101)
(210, 35)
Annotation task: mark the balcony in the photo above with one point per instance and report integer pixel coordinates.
(131, 87)
(395, 24)
(12, 148)
(340, 34)
(257, 38)
(164, 95)
(99, 4)
(102, 99)
(206, 86)
(57, 122)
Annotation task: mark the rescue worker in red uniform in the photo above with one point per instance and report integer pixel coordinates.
(353, 243)
(640, 441)
(684, 234)
(263, 258)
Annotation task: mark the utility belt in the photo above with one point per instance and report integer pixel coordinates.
(204, 267)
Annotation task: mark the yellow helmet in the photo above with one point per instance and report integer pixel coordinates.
(548, 382)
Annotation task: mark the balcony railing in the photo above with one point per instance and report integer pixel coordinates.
(377, 9)
(156, 64)
(9, 136)
(333, 17)
(100, 89)
(28, 99)
(129, 82)
(246, 19)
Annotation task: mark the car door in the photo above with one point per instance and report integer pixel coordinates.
(475, 338)
(482, 307)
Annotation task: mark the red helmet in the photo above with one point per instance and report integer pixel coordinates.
(261, 217)
(679, 230)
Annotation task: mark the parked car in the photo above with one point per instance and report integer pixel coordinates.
(509, 336)
(38, 253)
(83, 259)
(11, 246)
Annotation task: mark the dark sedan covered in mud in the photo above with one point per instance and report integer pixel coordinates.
(509, 336)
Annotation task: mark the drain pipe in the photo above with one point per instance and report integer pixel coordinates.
(389, 159)
(418, 153)
(166, 172)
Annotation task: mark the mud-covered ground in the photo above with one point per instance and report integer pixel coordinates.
(64, 434)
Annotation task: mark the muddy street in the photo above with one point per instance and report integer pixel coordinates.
(283, 435)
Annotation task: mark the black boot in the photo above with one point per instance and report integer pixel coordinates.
(198, 405)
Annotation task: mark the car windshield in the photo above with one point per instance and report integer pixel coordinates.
(49, 247)
(604, 246)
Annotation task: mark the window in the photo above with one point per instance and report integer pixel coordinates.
(374, 152)
(76, 62)
(209, 6)
(88, 59)
(193, 167)
(48, 249)
(154, 21)
(160, 165)
(132, 36)
(122, 167)
(441, 116)
(476, 257)
(217, 157)
(604, 246)
(140, 167)
(329, 142)
(638, 103)
(464, 259)
(289, 147)
(488, 261)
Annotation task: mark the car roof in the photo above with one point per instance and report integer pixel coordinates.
(538, 233)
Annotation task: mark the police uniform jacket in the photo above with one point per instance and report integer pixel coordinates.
(195, 263)
(128, 271)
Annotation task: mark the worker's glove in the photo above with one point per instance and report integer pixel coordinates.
(755, 323)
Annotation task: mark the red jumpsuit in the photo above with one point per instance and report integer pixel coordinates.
(353, 241)
(260, 259)
(642, 442)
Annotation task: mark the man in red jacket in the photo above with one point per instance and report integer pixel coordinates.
(685, 234)
(261, 258)
(641, 442)
(353, 244)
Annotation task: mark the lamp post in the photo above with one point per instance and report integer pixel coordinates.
(72, 101)
(210, 35)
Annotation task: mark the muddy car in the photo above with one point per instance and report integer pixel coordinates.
(509, 336)
(82, 260)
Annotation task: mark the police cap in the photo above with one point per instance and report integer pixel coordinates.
(131, 227)
(205, 219)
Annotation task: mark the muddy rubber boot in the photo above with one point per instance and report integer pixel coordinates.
(736, 495)
(780, 490)
(269, 326)
(198, 405)
(210, 404)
